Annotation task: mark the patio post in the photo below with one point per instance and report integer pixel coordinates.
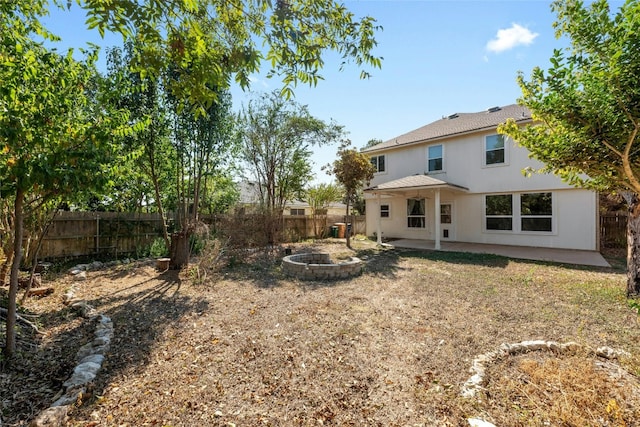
(437, 219)
(379, 225)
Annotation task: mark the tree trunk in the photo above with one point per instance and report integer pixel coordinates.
(6, 265)
(34, 265)
(179, 250)
(633, 247)
(347, 234)
(156, 189)
(10, 348)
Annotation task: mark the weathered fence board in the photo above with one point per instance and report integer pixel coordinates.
(74, 234)
(613, 230)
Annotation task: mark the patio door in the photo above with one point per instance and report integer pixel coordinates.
(447, 225)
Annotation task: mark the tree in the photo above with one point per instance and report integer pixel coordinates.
(586, 108)
(55, 137)
(204, 144)
(147, 171)
(319, 198)
(353, 170)
(371, 143)
(213, 41)
(276, 140)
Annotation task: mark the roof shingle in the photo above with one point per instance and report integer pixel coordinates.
(458, 124)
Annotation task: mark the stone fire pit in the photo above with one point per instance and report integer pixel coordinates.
(319, 266)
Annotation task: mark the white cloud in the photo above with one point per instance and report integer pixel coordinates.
(509, 38)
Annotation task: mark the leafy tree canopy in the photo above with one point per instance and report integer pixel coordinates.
(587, 105)
(586, 108)
(212, 41)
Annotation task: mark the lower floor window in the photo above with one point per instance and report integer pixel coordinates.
(531, 211)
(416, 213)
(536, 212)
(499, 212)
(384, 211)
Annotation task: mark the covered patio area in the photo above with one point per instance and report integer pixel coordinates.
(564, 256)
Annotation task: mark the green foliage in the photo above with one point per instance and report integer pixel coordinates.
(352, 169)
(55, 133)
(210, 42)
(158, 248)
(371, 143)
(197, 243)
(276, 138)
(586, 107)
(322, 195)
(587, 104)
(219, 195)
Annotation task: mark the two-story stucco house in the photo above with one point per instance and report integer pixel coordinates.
(457, 179)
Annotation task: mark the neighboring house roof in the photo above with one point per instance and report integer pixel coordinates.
(302, 204)
(415, 182)
(456, 124)
(249, 193)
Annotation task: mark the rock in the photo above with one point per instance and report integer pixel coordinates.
(81, 276)
(53, 417)
(70, 398)
(82, 375)
(610, 353)
(93, 358)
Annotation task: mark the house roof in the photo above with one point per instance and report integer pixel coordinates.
(415, 182)
(456, 124)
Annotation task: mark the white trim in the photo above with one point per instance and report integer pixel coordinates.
(506, 144)
(444, 166)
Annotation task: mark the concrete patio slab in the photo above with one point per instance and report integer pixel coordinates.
(564, 256)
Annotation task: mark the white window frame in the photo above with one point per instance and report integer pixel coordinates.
(375, 161)
(551, 216)
(297, 212)
(517, 216)
(505, 148)
(485, 216)
(423, 216)
(429, 158)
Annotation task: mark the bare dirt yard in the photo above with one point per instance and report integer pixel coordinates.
(247, 346)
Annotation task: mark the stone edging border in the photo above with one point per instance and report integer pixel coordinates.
(479, 364)
(89, 357)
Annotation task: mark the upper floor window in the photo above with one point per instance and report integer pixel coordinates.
(378, 162)
(499, 212)
(416, 213)
(434, 158)
(536, 212)
(494, 150)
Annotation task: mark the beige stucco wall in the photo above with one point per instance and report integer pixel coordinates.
(575, 210)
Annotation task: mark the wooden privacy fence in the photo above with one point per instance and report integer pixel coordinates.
(74, 234)
(613, 230)
(92, 233)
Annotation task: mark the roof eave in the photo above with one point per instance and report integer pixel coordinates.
(439, 138)
(417, 188)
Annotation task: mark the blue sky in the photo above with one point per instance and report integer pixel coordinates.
(440, 57)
